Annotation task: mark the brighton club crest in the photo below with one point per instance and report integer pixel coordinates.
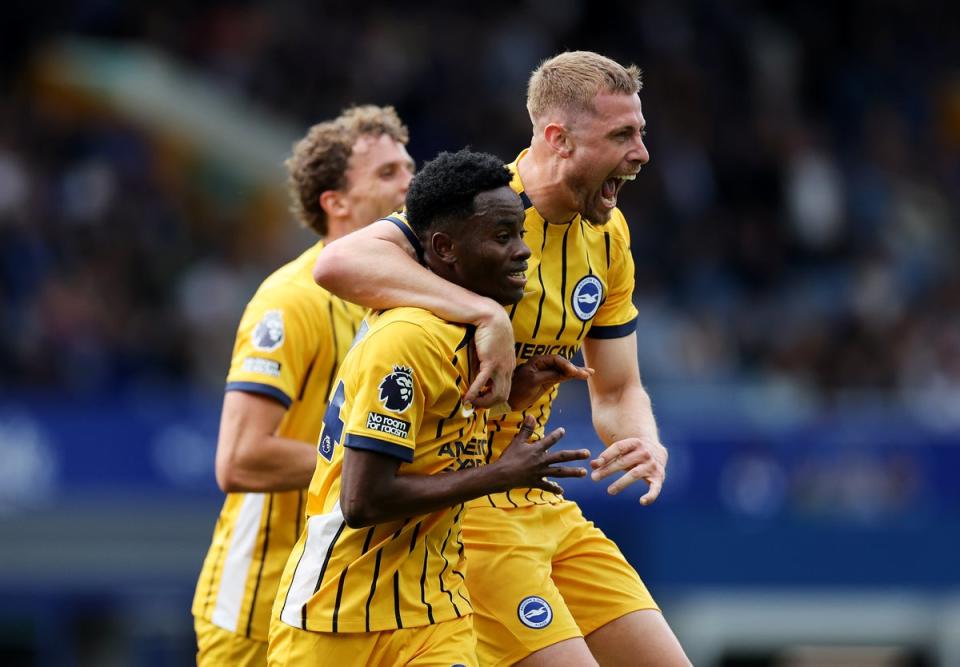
(534, 612)
(586, 297)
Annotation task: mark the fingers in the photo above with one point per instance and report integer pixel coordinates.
(547, 485)
(500, 388)
(565, 455)
(567, 368)
(613, 459)
(631, 476)
(653, 493)
(493, 343)
(566, 471)
(622, 455)
(473, 393)
(607, 455)
(489, 388)
(638, 462)
(550, 439)
(526, 429)
(552, 376)
(551, 369)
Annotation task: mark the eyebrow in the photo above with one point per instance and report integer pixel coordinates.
(628, 128)
(510, 222)
(397, 163)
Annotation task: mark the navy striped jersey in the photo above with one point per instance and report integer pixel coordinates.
(289, 345)
(580, 280)
(399, 393)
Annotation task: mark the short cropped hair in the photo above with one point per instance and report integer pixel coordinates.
(445, 188)
(569, 82)
(320, 159)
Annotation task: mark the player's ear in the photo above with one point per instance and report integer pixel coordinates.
(334, 203)
(558, 139)
(443, 247)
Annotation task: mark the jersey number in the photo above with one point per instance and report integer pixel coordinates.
(332, 425)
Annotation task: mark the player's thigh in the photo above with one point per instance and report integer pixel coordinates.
(517, 608)
(217, 647)
(440, 645)
(293, 647)
(593, 576)
(638, 639)
(568, 653)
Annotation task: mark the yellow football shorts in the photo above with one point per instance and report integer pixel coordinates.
(541, 574)
(217, 647)
(447, 644)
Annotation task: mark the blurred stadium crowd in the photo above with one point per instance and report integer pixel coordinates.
(797, 224)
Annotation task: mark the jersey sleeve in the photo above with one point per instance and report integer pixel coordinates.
(399, 219)
(274, 347)
(617, 317)
(389, 390)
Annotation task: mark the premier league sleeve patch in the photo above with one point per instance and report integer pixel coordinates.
(262, 366)
(387, 424)
(534, 612)
(396, 390)
(268, 334)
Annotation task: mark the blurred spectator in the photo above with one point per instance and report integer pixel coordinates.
(797, 222)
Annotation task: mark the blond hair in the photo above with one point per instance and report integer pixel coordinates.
(320, 159)
(569, 82)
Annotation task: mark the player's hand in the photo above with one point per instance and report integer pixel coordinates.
(493, 342)
(526, 464)
(532, 379)
(641, 459)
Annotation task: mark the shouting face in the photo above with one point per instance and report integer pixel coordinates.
(606, 151)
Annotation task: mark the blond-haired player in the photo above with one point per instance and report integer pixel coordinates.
(548, 587)
(343, 174)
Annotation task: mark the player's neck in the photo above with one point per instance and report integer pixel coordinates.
(543, 183)
(339, 227)
(439, 268)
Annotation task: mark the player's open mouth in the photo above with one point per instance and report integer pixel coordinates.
(518, 278)
(611, 188)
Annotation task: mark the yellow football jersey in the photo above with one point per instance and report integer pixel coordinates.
(399, 392)
(580, 280)
(289, 345)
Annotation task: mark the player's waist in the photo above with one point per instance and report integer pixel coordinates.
(417, 592)
(516, 498)
(252, 515)
(381, 551)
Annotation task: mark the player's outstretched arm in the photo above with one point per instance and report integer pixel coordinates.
(372, 492)
(250, 456)
(623, 418)
(376, 267)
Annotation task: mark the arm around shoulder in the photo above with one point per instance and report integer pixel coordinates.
(376, 267)
(360, 266)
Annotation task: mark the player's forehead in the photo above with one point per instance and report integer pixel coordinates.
(370, 151)
(611, 111)
(495, 205)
